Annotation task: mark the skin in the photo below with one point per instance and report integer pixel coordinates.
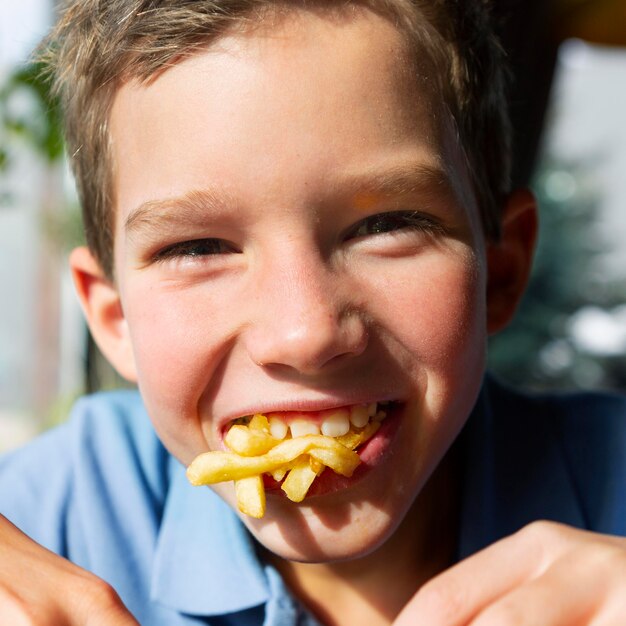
(301, 300)
(39, 587)
(292, 301)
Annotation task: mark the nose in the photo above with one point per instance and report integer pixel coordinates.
(306, 319)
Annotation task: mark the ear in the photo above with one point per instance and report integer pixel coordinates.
(509, 260)
(101, 303)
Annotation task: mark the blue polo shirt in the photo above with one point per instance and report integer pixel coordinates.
(102, 491)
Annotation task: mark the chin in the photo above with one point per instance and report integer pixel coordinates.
(315, 534)
(343, 519)
(343, 523)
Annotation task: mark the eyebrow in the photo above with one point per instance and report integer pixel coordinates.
(399, 180)
(195, 208)
(189, 209)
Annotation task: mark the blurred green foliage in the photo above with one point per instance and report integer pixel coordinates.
(30, 116)
(539, 349)
(37, 120)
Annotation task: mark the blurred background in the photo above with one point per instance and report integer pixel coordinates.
(568, 102)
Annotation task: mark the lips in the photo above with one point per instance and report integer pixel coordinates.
(371, 452)
(297, 462)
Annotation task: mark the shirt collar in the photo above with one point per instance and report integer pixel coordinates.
(205, 561)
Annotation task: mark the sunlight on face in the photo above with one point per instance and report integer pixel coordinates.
(295, 233)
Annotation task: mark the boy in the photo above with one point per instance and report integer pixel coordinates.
(297, 209)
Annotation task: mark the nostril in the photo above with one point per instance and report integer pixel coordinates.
(306, 343)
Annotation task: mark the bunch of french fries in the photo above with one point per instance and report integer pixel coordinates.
(294, 461)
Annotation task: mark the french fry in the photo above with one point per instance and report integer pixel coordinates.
(246, 441)
(340, 460)
(279, 474)
(316, 466)
(254, 452)
(299, 479)
(355, 437)
(260, 422)
(251, 496)
(216, 467)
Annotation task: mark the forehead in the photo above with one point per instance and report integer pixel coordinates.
(335, 89)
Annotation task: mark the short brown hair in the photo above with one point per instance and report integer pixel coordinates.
(98, 44)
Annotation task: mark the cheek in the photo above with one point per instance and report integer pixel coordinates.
(440, 312)
(457, 322)
(163, 342)
(175, 357)
(439, 336)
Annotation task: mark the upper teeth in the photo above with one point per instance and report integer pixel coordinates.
(301, 427)
(335, 424)
(360, 415)
(278, 428)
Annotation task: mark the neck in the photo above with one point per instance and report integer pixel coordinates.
(359, 591)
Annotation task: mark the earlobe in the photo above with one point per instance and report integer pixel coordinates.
(103, 309)
(509, 260)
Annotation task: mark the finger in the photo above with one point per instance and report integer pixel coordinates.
(582, 586)
(102, 606)
(113, 616)
(562, 596)
(462, 592)
(16, 612)
(40, 587)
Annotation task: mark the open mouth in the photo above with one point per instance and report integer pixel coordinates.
(294, 451)
(347, 425)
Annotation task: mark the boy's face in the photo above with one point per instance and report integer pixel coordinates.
(295, 232)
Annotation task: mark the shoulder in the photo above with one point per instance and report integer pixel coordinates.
(100, 427)
(114, 425)
(578, 414)
(584, 432)
(70, 472)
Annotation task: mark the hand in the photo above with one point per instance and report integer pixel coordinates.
(547, 574)
(37, 587)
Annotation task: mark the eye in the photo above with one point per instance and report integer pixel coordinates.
(195, 248)
(392, 221)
